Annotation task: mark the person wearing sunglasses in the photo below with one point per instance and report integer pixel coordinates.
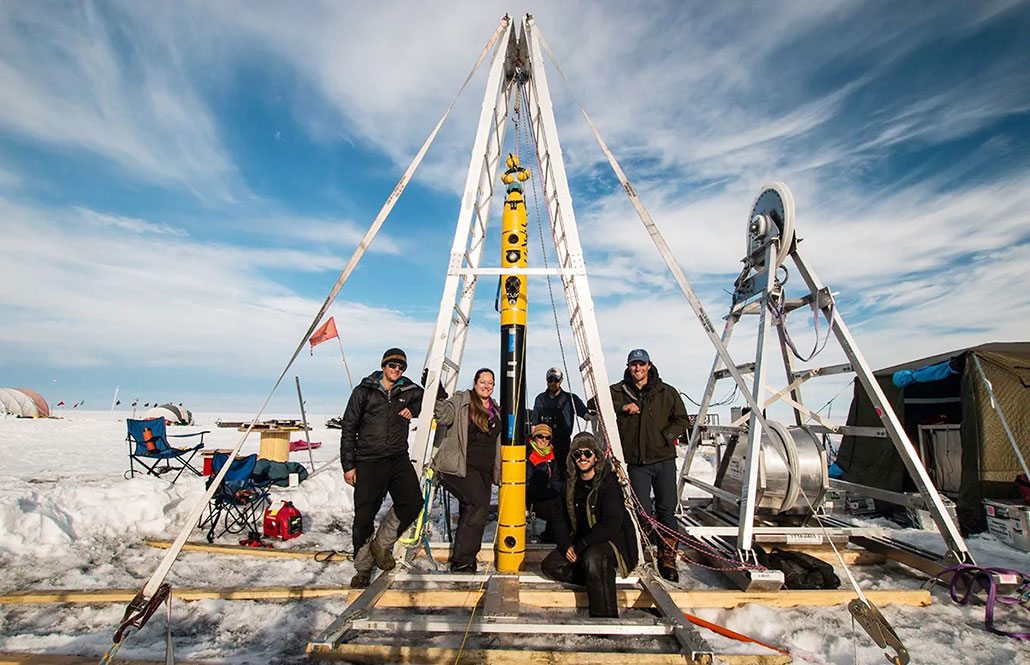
(558, 409)
(374, 455)
(544, 484)
(651, 417)
(595, 536)
(468, 462)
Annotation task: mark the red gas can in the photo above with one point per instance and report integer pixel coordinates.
(283, 521)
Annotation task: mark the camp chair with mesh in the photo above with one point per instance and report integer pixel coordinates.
(239, 503)
(149, 446)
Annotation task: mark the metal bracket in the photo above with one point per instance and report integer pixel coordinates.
(879, 629)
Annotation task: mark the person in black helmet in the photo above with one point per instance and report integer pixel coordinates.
(374, 455)
(594, 532)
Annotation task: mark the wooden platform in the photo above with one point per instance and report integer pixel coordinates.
(542, 598)
(534, 553)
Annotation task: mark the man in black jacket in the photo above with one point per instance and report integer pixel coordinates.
(595, 534)
(558, 409)
(374, 454)
(651, 417)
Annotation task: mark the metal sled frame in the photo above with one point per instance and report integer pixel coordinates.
(516, 61)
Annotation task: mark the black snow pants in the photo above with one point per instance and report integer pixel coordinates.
(377, 478)
(473, 494)
(595, 570)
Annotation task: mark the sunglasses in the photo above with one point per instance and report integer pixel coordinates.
(542, 437)
(582, 454)
(553, 379)
(399, 366)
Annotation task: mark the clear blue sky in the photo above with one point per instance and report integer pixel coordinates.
(180, 183)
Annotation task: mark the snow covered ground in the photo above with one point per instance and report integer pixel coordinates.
(69, 520)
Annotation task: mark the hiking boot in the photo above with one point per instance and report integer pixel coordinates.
(469, 567)
(667, 561)
(361, 579)
(668, 572)
(381, 545)
(382, 556)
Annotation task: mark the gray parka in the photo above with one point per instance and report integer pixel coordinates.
(452, 436)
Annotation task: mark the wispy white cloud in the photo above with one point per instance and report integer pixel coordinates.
(130, 224)
(101, 296)
(83, 77)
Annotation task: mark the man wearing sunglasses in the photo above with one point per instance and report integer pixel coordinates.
(558, 409)
(651, 417)
(594, 532)
(374, 454)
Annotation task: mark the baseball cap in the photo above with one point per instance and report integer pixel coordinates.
(638, 355)
(555, 372)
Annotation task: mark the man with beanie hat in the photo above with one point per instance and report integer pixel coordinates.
(374, 455)
(594, 532)
(558, 408)
(651, 416)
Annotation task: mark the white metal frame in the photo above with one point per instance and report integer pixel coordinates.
(819, 297)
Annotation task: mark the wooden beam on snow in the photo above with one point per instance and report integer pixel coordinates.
(53, 659)
(441, 551)
(540, 598)
(375, 653)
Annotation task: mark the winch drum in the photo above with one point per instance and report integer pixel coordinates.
(791, 461)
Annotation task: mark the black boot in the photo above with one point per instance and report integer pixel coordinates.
(361, 579)
(667, 560)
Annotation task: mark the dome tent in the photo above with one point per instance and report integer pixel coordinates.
(23, 402)
(173, 415)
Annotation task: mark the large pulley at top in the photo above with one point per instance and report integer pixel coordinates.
(772, 217)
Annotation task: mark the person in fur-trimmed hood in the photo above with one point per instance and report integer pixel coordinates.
(596, 536)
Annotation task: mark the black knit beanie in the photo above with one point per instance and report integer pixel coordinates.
(394, 356)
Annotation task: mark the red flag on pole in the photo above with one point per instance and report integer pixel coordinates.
(323, 334)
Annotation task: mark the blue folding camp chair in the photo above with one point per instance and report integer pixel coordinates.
(239, 503)
(148, 445)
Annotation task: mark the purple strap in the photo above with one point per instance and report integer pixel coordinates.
(967, 580)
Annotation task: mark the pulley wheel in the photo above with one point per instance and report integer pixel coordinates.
(776, 203)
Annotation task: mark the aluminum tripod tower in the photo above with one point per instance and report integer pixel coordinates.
(520, 63)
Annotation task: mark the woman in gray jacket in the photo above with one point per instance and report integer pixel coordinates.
(468, 461)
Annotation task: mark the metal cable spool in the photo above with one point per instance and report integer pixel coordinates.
(772, 216)
(791, 461)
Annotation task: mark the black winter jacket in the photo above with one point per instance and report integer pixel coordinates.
(371, 427)
(649, 436)
(607, 517)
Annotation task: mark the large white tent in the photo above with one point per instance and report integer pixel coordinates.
(173, 415)
(23, 402)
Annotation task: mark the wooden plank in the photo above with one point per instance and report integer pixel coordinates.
(441, 551)
(541, 598)
(216, 548)
(852, 557)
(125, 595)
(374, 653)
(52, 659)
